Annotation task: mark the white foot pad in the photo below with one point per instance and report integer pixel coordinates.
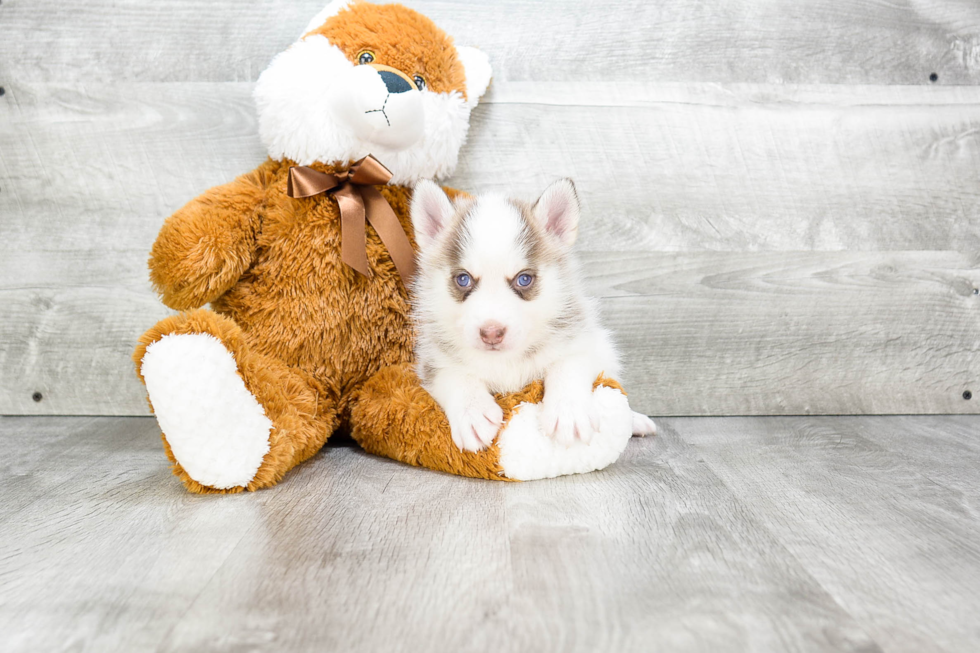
(217, 430)
(527, 454)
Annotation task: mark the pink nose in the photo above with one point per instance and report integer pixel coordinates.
(492, 333)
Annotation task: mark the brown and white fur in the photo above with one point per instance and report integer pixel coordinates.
(498, 303)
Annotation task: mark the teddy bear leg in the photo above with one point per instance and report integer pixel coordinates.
(232, 419)
(394, 416)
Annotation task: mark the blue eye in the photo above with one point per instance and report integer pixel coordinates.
(524, 280)
(463, 280)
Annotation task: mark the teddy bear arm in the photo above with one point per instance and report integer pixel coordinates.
(204, 248)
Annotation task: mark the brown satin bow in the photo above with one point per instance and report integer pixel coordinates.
(358, 199)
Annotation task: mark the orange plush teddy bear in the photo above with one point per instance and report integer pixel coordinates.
(309, 326)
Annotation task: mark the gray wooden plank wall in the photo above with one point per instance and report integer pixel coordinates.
(782, 210)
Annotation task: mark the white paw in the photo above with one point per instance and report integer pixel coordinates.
(643, 425)
(474, 420)
(217, 430)
(570, 415)
(526, 453)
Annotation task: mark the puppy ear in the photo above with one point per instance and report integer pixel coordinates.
(478, 72)
(331, 10)
(431, 211)
(557, 211)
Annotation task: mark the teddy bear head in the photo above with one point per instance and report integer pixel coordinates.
(371, 79)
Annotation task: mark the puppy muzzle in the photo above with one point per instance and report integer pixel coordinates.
(382, 106)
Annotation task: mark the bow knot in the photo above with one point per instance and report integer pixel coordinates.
(359, 201)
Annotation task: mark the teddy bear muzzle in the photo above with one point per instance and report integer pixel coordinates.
(383, 106)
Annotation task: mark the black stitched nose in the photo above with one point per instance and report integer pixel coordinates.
(394, 83)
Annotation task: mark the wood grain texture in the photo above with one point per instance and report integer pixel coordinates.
(74, 346)
(609, 562)
(741, 168)
(38, 455)
(703, 334)
(88, 173)
(794, 333)
(655, 553)
(808, 41)
(387, 560)
(950, 458)
(102, 138)
(115, 550)
(659, 167)
(878, 530)
(735, 534)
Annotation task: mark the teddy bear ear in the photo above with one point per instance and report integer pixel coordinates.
(329, 11)
(478, 72)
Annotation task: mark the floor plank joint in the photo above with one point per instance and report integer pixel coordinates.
(733, 533)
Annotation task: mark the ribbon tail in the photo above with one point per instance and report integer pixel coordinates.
(353, 240)
(385, 222)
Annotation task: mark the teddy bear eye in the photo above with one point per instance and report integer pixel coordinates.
(365, 57)
(419, 82)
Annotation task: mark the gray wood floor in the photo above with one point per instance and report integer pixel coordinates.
(720, 534)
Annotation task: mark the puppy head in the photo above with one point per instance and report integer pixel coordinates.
(371, 79)
(493, 273)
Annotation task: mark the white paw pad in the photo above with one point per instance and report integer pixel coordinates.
(217, 430)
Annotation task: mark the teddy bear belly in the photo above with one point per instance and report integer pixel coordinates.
(301, 304)
(318, 329)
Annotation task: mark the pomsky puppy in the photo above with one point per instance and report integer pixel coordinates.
(497, 304)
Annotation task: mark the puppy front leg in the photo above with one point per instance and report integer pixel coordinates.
(474, 417)
(568, 410)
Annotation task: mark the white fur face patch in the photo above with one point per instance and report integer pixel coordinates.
(496, 257)
(392, 120)
(315, 105)
(494, 285)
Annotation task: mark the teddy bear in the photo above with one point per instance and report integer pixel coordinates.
(306, 263)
